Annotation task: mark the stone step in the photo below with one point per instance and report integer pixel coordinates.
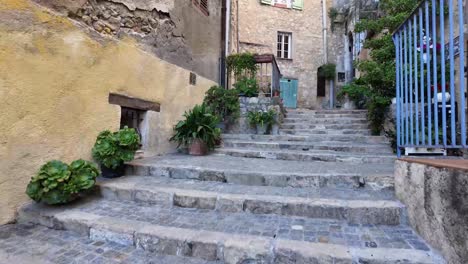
(324, 126)
(311, 138)
(354, 158)
(233, 238)
(358, 206)
(330, 112)
(325, 116)
(311, 121)
(264, 172)
(306, 146)
(308, 132)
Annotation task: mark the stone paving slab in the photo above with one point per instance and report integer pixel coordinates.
(311, 121)
(327, 156)
(313, 138)
(324, 126)
(259, 200)
(265, 172)
(91, 211)
(32, 244)
(320, 131)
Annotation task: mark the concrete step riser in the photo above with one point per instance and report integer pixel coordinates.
(327, 112)
(334, 139)
(308, 156)
(346, 181)
(323, 122)
(354, 212)
(306, 147)
(324, 126)
(207, 245)
(312, 132)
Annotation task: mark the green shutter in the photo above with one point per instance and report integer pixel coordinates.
(298, 4)
(267, 2)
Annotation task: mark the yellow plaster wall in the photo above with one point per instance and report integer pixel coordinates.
(54, 85)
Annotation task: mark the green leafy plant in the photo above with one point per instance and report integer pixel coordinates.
(332, 14)
(200, 123)
(113, 149)
(247, 87)
(59, 183)
(261, 118)
(224, 103)
(328, 71)
(356, 92)
(242, 65)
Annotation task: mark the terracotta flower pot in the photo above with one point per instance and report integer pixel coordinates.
(198, 148)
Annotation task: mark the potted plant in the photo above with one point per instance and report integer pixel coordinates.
(199, 131)
(224, 103)
(261, 120)
(113, 149)
(60, 183)
(247, 87)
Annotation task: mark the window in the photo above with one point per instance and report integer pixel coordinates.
(284, 45)
(295, 4)
(203, 5)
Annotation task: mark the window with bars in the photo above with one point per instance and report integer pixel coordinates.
(202, 5)
(284, 45)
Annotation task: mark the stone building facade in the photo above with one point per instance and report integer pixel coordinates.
(255, 26)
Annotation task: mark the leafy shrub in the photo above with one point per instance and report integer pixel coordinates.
(328, 71)
(59, 183)
(224, 103)
(356, 92)
(377, 113)
(200, 123)
(261, 118)
(113, 149)
(247, 87)
(242, 65)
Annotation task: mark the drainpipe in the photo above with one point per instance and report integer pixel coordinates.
(325, 49)
(227, 40)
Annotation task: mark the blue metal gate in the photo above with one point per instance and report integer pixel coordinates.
(289, 92)
(430, 77)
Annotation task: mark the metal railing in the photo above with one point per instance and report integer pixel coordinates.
(430, 77)
(268, 75)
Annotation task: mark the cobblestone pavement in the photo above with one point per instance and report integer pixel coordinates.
(293, 228)
(147, 183)
(30, 244)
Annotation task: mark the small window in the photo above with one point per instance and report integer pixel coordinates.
(202, 5)
(284, 45)
(341, 77)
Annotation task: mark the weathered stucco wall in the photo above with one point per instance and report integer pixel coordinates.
(437, 202)
(55, 78)
(258, 26)
(174, 30)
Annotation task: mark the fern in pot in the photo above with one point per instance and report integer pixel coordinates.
(113, 149)
(198, 131)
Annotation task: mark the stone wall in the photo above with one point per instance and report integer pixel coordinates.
(437, 202)
(252, 104)
(255, 28)
(55, 79)
(174, 30)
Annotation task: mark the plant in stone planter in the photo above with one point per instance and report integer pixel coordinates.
(247, 87)
(199, 131)
(60, 183)
(261, 120)
(113, 149)
(224, 103)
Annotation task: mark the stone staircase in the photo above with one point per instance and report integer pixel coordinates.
(298, 197)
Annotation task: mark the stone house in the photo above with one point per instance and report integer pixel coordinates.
(293, 32)
(70, 69)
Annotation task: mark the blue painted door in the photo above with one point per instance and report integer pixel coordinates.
(289, 92)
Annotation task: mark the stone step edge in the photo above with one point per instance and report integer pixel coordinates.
(208, 245)
(307, 156)
(276, 179)
(309, 143)
(378, 212)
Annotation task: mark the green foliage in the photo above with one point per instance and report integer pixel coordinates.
(242, 65)
(224, 103)
(113, 149)
(357, 93)
(247, 87)
(378, 74)
(59, 183)
(332, 14)
(328, 71)
(200, 123)
(261, 118)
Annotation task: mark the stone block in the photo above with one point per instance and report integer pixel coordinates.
(247, 250)
(194, 201)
